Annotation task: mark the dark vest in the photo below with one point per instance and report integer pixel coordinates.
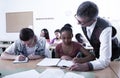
(101, 24)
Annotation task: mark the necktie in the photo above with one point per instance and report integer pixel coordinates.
(88, 33)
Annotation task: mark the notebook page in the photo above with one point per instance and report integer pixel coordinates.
(52, 73)
(24, 61)
(49, 62)
(66, 63)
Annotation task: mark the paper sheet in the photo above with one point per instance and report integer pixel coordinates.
(25, 74)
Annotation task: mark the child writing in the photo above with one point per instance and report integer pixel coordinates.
(70, 50)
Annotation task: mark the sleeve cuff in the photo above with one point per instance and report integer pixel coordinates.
(90, 66)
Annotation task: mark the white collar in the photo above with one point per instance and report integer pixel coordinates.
(91, 27)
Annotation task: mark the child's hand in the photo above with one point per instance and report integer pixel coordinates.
(75, 60)
(21, 57)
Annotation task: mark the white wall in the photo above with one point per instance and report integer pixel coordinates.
(61, 10)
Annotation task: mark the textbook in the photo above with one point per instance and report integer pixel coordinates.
(48, 73)
(55, 62)
(24, 61)
(58, 73)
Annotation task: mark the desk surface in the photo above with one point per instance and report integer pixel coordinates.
(7, 67)
(4, 40)
(115, 66)
(4, 45)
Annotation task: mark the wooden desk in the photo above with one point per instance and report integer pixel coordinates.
(105, 73)
(4, 45)
(7, 41)
(7, 67)
(115, 66)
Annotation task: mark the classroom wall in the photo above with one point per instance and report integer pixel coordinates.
(53, 14)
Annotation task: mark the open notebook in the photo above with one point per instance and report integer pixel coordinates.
(55, 62)
(17, 61)
(48, 73)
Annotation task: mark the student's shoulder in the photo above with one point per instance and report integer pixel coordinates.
(18, 41)
(41, 39)
(76, 44)
(59, 45)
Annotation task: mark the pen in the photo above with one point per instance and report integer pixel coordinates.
(63, 67)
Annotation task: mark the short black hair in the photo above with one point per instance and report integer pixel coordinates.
(57, 30)
(67, 27)
(114, 31)
(78, 37)
(26, 34)
(88, 9)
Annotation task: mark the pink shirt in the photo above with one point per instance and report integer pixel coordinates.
(76, 48)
